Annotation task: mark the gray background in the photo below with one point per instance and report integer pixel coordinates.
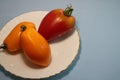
(98, 22)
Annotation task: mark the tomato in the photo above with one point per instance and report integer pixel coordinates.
(12, 41)
(36, 48)
(56, 23)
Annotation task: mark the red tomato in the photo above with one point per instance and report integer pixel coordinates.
(56, 23)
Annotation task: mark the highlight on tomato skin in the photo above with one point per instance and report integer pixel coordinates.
(57, 23)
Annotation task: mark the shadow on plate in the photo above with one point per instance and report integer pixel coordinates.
(68, 70)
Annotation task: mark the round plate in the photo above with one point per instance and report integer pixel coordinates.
(63, 50)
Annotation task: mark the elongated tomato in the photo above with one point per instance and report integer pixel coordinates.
(35, 47)
(12, 41)
(56, 23)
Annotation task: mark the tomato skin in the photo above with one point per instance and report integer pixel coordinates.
(35, 47)
(55, 24)
(12, 41)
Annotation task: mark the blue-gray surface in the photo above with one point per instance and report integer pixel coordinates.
(98, 22)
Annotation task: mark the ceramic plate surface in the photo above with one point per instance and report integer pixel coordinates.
(64, 50)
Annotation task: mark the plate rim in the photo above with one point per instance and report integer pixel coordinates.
(52, 74)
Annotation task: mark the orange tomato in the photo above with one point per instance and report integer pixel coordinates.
(35, 47)
(12, 41)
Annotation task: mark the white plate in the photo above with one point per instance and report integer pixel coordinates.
(63, 51)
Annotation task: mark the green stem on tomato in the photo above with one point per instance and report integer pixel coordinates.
(23, 28)
(3, 46)
(68, 11)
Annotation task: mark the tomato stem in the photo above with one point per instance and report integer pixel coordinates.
(3, 46)
(68, 11)
(23, 27)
